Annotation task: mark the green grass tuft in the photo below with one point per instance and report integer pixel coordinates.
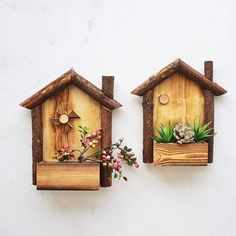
(202, 132)
(165, 134)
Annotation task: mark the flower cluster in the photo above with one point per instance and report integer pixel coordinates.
(124, 153)
(64, 154)
(108, 157)
(90, 140)
(127, 155)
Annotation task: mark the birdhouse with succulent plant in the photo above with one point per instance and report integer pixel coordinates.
(61, 113)
(178, 115)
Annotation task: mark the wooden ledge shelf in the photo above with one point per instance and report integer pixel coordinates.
(53, 175)
(173, 154)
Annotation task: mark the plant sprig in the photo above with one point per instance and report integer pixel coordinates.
(165, 134)
(105, 156)
(202, 132)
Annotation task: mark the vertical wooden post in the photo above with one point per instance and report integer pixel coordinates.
(37, 139)
(209, 107)
(148, 127)
(106, 120)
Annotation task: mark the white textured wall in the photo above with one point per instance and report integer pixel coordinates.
(40, 40)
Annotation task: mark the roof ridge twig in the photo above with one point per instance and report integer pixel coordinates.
(178, 66)
(70, 77)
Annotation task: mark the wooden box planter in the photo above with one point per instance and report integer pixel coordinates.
(174, 154)
(68, 176)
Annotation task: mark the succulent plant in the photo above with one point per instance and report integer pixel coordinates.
(202, 132)
(184, 134)
(165, 134)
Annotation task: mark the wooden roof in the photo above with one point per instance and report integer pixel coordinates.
(181, 67)
(70, 77)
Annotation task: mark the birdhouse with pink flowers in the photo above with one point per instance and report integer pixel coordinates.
(57, 111)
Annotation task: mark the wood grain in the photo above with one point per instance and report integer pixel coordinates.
(51, 89)
(94, 92)
(37, 140)
(61, 137)
(209, 108)
(67, 176)
(193, 74)
(148, 127)
(157, 78)
(106, 122)
(73, 99)
(182, 67)
(186, 101)
(70, 77)
(172, 154)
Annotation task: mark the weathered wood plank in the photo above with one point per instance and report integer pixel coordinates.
(67, 176)
(156, 79)
(51, 89)
(94, 92)
(106, 124)
(186, 101)
(178, 66)
(70, 77)
(148, 127)
(209, 107)
(37, 139)
(202, 80)
(62, 106)
(108, 86)
(173, 154)
(73, 99)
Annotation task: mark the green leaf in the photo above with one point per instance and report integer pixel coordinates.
(97, 154)
(202, 132)
(125, 178)
(165, 134)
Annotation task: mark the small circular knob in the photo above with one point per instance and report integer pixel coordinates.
(63, 119)
(163, 99)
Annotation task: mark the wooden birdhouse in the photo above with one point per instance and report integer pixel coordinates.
(178, 94)
(57, 110)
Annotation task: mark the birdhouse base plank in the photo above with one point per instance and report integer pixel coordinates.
(68, 176)
(173, 154)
